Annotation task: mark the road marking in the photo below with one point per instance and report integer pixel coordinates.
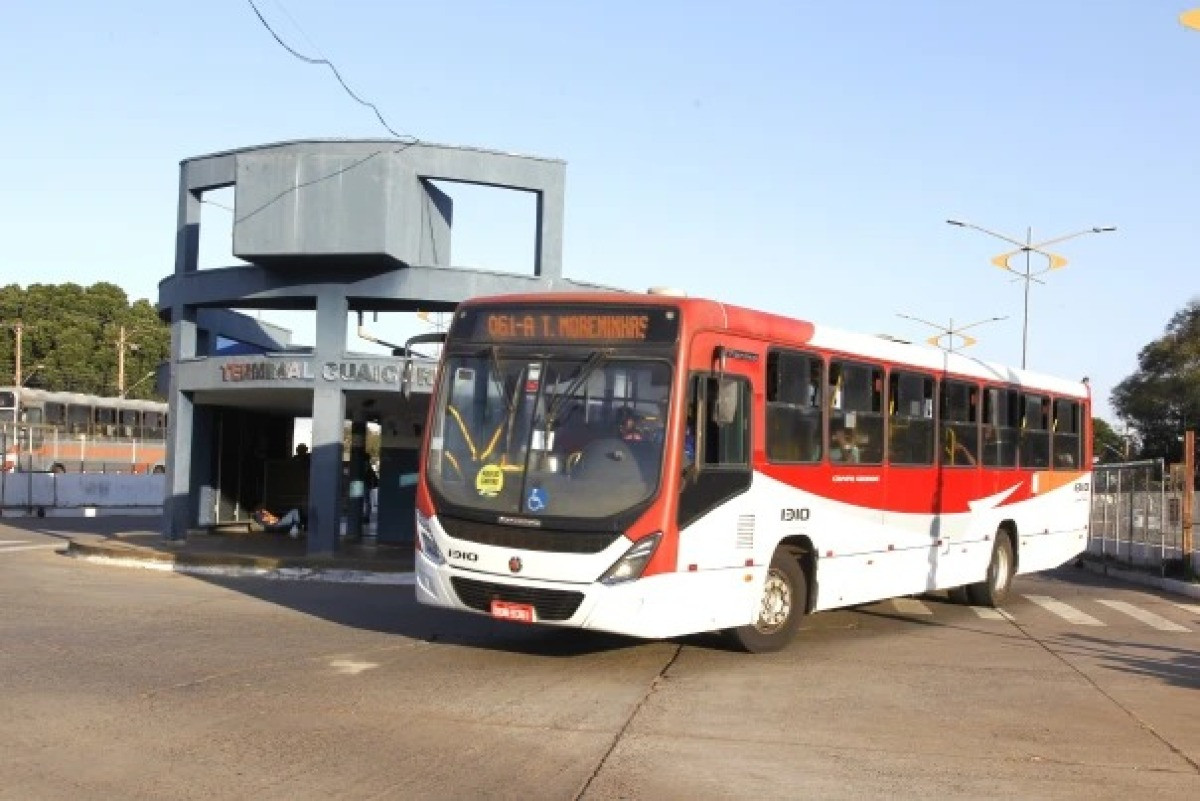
(1193, 608)
(1149, 618)
(31, 547)
(348, 667)
(909, 606)
(988, 613)
(1065, 611)
(13, 542)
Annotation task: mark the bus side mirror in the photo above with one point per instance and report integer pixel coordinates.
(406, 378)
(726, 407)
(436, 338)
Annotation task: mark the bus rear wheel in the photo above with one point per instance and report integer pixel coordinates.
(993, 590)
(780, 608)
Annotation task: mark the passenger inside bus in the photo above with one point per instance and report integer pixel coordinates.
(627, 425)
(842, 447)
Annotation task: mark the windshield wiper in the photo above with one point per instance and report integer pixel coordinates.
(554, 408)
(510, 404)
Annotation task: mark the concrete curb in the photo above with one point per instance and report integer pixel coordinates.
(80, 511)
(232, 565)
(1175, 586)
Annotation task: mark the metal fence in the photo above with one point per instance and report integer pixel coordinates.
(1137, 516)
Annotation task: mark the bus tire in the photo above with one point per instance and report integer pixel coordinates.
(994, 588)
(959, 595)
(780, 609)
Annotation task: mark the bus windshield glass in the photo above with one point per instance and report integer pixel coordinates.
(578, 436)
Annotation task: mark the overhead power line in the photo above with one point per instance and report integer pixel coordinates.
(310, 60)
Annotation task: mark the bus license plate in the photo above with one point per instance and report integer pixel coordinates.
(507, 610)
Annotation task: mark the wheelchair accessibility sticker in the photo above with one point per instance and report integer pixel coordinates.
(536, 502)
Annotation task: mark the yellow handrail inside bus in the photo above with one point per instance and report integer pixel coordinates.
(454, 463)
(492, 444)
(463, 428)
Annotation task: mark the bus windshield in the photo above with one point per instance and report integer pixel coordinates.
(576, 436)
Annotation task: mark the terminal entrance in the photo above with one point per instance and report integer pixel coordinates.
(245, 456)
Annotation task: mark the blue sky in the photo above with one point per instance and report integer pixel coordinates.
(799, 157)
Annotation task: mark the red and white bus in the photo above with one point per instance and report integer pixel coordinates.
(74, 432)
(656, 465)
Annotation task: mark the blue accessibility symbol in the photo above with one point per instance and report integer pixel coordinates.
(536, 501)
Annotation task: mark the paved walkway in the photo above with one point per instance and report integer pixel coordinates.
(256, 554)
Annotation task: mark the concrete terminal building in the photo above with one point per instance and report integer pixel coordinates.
(343, 229)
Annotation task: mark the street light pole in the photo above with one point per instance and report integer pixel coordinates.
(1029, 247)
(950, 331)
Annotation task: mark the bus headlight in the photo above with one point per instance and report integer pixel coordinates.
(425, 539)
(631, 565)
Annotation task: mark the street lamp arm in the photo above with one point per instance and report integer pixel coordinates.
(980, 322)
(989, 232)
(1094, 230)
(938, 326)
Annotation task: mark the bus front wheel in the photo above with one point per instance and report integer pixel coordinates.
(993, 590)
(780, 608)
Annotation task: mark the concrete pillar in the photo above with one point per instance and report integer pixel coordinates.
(328, 417)
(180, 505)
(357, 490)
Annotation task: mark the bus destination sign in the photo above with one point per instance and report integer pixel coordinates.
(582, 325)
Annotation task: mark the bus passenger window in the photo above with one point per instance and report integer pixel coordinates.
(1067, 425)
(1035, 434)
(1001, 427)
(856, 403)
(794, 413)
(959, 416)
(910, 419)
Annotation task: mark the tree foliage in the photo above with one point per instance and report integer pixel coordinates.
(71, 335)
(1161, 399)
(1108, 446)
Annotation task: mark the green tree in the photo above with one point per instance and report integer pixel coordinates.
(1108, 445)
(1162, 398)
(73, 333)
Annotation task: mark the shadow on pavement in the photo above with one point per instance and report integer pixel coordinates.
(1177, 666)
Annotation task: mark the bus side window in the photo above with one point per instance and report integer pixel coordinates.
(727, 444)
(856, 406)
(959, 420)
(79, 419)
(910, 418)
(794, 412)
(1035, 434)
(1001, 427)
(1067, 425)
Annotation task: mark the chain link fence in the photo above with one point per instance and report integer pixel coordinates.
(1137, 517)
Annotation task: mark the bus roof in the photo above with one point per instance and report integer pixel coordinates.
(703, 313)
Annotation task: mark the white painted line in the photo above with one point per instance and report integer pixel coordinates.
(1065, 611)
(31, 547)
(909, 606)
(13, 542)
(1149, 618)
(1193, 608)
(987, 613)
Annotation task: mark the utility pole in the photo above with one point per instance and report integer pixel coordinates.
(1189, 493)
(121, 363)
(122, 343)
(18, 329)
